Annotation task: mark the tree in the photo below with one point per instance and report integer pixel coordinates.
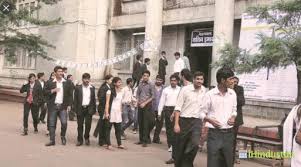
(276, 50)
(12, 38)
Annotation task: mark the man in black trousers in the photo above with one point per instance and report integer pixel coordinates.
(33, 97)
(59, 94)
(239, 90)
(85, 108)
(146, 118)
(42, 104)
(162, 65)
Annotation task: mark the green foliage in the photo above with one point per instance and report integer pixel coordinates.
(13, 38)
(274, 51)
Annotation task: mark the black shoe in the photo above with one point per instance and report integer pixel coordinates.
(63, 140)
(24, 133)
(144, 145)
(139, 143)
(51, 143)
(36, 130)
(79, 143)
(87, 142)
(43, 122)
(171, 161)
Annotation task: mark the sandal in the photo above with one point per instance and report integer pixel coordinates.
(109, 147)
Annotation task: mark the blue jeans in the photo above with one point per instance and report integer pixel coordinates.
(136, 119)
(54, 112)
(127, 117)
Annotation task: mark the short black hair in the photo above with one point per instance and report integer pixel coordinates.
(40, 74)
(163, 52)
(129, 80)
(56, 68)
(86, 76)
(138, 57)
(31, 75)
(107, 77)
(235, 77)
(65, 68)
(177, 54)
(146, 60)
(146, 72)
(69, 76)
(160, 77)
(186, 74)
(175, 76)
(224, 73)
(198, 73)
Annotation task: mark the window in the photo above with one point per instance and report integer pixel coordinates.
(22, 61)
(29, 5)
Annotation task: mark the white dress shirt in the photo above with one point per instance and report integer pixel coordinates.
(179, 65)
(60, 94)
(218, 106)
(116, 108)
(86, 95)
(42, 84)
(168, 98)
(189, 101)
(128, 95)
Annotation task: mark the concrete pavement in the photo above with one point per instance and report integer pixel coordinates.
(17, 150)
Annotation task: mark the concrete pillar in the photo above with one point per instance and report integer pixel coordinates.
(223, 30)
(101, 34)
(153, 33)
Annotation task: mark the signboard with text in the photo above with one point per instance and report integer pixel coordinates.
(201, 38)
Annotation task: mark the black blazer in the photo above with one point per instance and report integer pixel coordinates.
(101, 95)
(43, 98)
(239, 90)
(162, 67)
(37, 92)
(78, 100)
(68, 93)
(136, 70)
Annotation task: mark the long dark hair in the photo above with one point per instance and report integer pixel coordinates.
(114, 81)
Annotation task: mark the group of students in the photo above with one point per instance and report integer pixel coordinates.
(184, 106)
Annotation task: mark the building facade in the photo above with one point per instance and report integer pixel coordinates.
(100, 29)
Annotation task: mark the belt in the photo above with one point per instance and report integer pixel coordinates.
(169, 107)
(85, 106)
(222, 130)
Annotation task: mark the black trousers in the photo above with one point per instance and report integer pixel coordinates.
(146, 121)
(84, 118)
(235, 132)
(118, 130)
(220, 148)
(100, 129)
(136, 81)
(43, 109)
(169, 125)
(57, 111)
(71, 114)
(34, 113)
(159, 125)
(187, 142)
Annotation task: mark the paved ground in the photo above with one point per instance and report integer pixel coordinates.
(17, 150)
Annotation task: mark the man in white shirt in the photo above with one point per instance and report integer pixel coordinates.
(186, 62)
(85, 107)
(166, 107)
(127, 112)
(179, 64)
(188, 122)
(219, 112)
(59, 93)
